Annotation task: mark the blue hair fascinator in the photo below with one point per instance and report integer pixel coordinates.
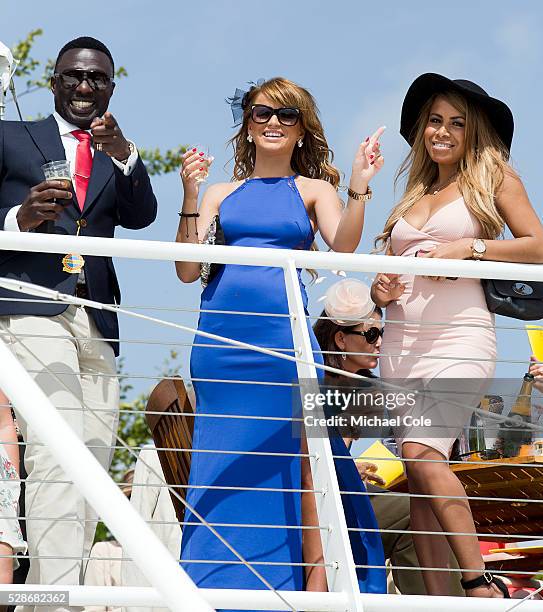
(238, 102)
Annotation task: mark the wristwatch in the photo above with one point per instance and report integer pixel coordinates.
(361, 197)
(478, 248)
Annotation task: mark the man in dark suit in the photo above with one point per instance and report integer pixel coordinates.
(69, 350)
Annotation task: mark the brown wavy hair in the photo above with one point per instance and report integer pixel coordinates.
(325, 332)
(480, 172)
(312, 160)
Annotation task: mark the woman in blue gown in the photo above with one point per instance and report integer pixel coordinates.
(284, 191)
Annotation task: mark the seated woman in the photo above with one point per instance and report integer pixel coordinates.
(349, 333)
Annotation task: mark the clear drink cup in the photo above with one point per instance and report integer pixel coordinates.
(206, 162)
(59, 170)
(56, 170)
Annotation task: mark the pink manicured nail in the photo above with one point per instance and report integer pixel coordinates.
(371, 163)
(367, 139)
(372, 156)
(194, 150)
(201, 153)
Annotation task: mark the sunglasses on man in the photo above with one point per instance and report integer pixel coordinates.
(371, 335)
(260, 113)
(98, 81)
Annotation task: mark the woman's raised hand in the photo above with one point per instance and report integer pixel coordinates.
(194, 167)
(367, 162)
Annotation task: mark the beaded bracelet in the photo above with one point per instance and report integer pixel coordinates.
(189, 215)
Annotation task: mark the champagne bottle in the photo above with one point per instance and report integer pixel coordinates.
(514, 433)
(477, 440)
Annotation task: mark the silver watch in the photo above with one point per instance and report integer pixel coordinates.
(478, 248)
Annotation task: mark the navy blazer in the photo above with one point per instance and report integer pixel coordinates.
(112, 199)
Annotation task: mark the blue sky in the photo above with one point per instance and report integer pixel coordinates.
(357, 58)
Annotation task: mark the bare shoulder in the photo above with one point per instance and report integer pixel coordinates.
(217, 192)
(511, 185)
(313, 189)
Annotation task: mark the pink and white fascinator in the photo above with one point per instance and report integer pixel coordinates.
(348, 301)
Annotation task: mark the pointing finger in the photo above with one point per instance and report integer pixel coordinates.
(109, 120)
(377, 134)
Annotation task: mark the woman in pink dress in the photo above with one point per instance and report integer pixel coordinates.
(460, 195)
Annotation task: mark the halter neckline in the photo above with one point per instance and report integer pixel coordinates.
(272, 178)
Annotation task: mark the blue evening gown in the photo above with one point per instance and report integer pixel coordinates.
(266, 213)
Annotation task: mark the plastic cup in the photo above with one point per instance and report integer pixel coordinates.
(57, 170)
(535, 336)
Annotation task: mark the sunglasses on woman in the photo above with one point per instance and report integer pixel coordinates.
(260, 113)
(371, 335)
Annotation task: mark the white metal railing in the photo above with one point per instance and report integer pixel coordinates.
(168, 251)
(338, 555)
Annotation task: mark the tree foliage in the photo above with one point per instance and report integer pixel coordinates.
(37, 74)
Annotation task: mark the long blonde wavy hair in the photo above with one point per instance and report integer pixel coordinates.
(480, 172)
(312, 160)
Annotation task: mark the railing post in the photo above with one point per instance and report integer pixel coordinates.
(149, 554)
(335, 541)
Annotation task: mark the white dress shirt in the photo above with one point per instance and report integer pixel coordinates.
(69, 142)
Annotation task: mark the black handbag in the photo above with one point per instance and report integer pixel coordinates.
(517, 299)
(214, 235)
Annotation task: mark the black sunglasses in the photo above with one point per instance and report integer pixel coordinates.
(260, 113)
(98, 81)
(371, 335)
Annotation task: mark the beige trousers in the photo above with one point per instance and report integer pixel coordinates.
(76, 369)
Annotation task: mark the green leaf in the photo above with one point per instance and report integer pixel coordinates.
(158, 163)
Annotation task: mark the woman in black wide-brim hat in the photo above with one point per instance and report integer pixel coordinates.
(459, 196)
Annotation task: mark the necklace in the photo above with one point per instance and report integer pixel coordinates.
(445, 184)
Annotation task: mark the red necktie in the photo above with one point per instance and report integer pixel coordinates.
(83, 165)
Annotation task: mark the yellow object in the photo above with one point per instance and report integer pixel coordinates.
(526, 550)
(535, 335)
(389, 467)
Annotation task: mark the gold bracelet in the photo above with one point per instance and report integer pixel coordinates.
(363, 197)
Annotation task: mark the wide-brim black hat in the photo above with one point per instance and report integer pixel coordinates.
(429, 84)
